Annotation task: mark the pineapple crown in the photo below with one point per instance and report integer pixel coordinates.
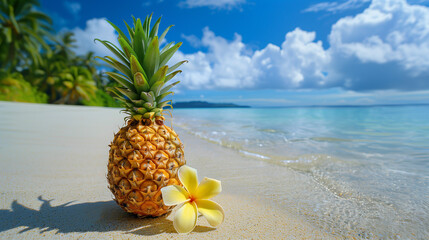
(143, 70)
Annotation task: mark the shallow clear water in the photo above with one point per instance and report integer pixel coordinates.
(376, 159)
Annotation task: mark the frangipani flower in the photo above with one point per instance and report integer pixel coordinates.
(193, 199)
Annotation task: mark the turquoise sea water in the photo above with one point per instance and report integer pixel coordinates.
(376, 159)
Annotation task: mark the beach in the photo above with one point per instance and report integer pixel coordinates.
(313, 116)
(53, 163)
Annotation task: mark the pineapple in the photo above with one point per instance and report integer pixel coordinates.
(145, 154)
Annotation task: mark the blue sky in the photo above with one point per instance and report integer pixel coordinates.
(278, 53)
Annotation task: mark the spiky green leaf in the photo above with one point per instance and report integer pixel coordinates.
(141, 110)
(175, 66)
(120, 99)
(159, 76)
(144, 96)
(171, 75)
(156, 110)
(164, 33)
(162, 96)
(128, 50)
(121, 68)
(138, 40)
(164, 104)
(152, 97)
(140, 82)
(156, 88)
(121, 79)
(166, 47)
(130, 31)
(130, 94)
(151, 58)
(115, 92)
(165, 89)
(148, 115)
(138, 102)
(165, 56)
(148, 97)
(115, 50)
(148, 106)
(121, 34)
(146, 24)
(154, 31)
(135, 65)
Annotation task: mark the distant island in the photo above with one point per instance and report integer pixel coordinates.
(203, 104)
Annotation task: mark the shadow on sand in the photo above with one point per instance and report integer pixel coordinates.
(83, 217)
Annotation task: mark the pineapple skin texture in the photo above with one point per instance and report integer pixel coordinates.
(144, 157)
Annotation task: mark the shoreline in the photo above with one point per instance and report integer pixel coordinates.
(64, 160)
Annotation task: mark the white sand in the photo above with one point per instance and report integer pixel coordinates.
(52, 182)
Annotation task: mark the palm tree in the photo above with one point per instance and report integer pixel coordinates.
(64, 45)
(76, 84)
(46, 76)
(23, 33)
(88, 61)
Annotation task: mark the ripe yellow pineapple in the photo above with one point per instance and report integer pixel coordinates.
(145, 154)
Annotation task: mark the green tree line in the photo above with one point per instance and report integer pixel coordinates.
(39, 65)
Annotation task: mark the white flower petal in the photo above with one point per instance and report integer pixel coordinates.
(208, 188)
(188, 177)
(212, 211)
(186, 218)
(173, 195)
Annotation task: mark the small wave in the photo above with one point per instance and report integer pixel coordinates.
(331, 139)
(314, 162)
(290, 161)
(371, 155)
(254, 154)
(401, 172)
(377, 134)
(218, 133)
(210, 139)
(218, 141)
(268, 130)
(298, 140)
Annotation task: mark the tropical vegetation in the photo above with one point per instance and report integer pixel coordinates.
(39, 65)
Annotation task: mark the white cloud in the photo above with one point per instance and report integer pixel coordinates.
(231, 65)
(198, 72)
(95, 28)
(73, 7)
(192, 40)
(225, 65)
(384, 47)
(336, 6)
(228, 4)
(299, 62)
